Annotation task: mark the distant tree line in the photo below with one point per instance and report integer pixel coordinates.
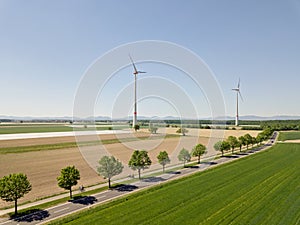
(281, 125)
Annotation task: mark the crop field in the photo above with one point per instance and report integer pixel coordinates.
(260, 189)
(42, 128)
(33, 129)
(289, 135)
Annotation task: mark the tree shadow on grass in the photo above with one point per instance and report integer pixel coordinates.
(125, 187)
(84, 200)
(31, 215)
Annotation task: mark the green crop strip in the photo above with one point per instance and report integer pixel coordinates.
(290, 135)
(259, 189)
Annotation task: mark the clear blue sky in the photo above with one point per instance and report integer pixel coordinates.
(46, 46)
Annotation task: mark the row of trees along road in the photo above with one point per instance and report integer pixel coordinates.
(15, 186)
(232, 142)
(109, 166)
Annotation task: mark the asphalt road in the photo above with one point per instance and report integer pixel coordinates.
(42, 216)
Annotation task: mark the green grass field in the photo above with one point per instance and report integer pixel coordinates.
(12, 129)
(290, 135)
(260, 189)
(34, 129)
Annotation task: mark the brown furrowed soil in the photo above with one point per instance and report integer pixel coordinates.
(43, 167)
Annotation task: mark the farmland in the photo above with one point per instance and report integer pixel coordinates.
(260, 189)
(33, 129)
(49, 155)
(289, 135)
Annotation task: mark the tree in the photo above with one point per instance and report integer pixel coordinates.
(182, 131)
(233, 142)
(242, 142)
(184, 156)
(136, 127)
(13, 187)
(222, 146)
(198, 150)
(139, 161)
(153, 130)
(253, 141)
(267, 133)
(248, 139)
(68, 178)
(163, 159)
(109, 167)
(225, 146)
(260, 138)
(218, 147)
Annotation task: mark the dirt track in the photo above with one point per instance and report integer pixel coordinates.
(43, 167)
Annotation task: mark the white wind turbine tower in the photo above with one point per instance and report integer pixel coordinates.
(238, 92)
(135, 73)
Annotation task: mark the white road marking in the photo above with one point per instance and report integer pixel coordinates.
(61, 210)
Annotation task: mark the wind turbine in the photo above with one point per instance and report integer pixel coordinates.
(135, 73)
(238, 92)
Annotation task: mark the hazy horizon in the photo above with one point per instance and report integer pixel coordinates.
(141, 117)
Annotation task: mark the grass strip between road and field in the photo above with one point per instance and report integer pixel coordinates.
(57, 146)
(259, 189)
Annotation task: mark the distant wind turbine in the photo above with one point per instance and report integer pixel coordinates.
(238, 93)
(135, 73)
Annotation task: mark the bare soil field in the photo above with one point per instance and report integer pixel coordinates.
(42, 167)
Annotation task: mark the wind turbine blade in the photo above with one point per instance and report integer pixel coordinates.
(135, 70)
(241, 96)
(141, 72)
(239, 83)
